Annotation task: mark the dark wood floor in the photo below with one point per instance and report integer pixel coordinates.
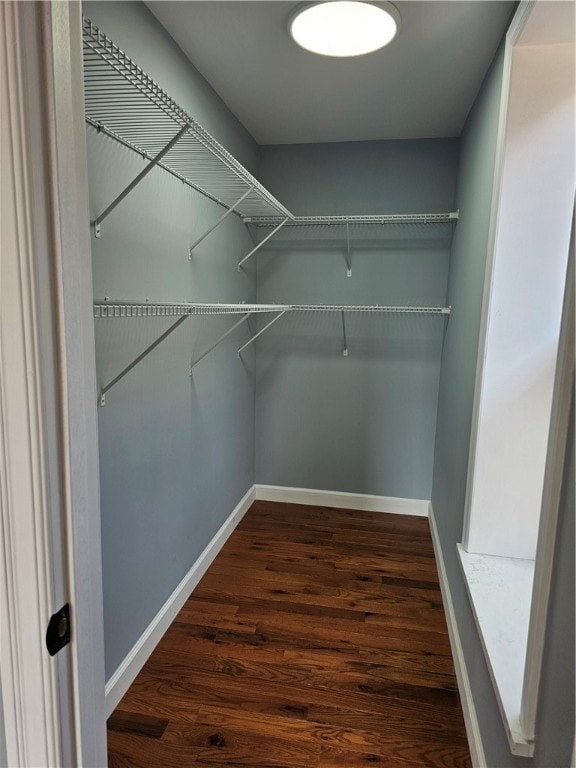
(317, 638)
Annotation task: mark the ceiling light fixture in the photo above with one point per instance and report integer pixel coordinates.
(344, 27)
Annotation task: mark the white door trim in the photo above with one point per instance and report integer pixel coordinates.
(79, 422)
(551, 497)
(50, 537)
(29, 675)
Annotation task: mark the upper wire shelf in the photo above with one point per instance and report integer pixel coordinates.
(341, 226)
(122, 101)
(392, 218)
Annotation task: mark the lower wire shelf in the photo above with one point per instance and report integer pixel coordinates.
(182, 310)
(121, 309)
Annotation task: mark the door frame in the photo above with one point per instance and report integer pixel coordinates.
(54, 707)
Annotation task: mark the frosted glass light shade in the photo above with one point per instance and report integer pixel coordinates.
(344, 27)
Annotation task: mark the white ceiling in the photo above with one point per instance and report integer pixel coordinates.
(549, 23)
(421, 86)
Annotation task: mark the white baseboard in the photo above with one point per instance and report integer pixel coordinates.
(341, 500)
(124, 676)
(468, 708)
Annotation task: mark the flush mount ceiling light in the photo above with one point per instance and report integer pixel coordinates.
(344, 27)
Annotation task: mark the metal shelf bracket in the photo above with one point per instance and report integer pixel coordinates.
(348, 260)
(220, 220)
(219, 340)
(260, 332)
(134, 363)
(344, 339)
(259, 245)
(152, 164)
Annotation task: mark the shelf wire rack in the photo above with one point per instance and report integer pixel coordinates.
(123, 102)
(341, 227)
(180, 311)
(126, 309)
(388, 218)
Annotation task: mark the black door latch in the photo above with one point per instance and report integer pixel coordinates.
(58, 632)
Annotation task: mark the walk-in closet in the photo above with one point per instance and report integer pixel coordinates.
(289, 264)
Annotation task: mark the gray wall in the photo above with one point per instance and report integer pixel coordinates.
(176, 452)
(363, 423)
(465, 287)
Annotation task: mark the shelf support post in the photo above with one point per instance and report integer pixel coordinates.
(220, 220)
(259, 245)
(152, 164)
(220, 339)
(274, 319)
(348, 260)
(134, 363)
(344, 339)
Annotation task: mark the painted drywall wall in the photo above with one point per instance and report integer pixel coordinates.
(364, 423)
(465, 289)
(176, 451)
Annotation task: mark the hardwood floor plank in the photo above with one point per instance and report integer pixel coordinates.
(442, 731)
(413, 756)
(400, 613)
(344, 632)
(228, 745)
(133, 722)
(260, 693)
(355, 739)
(278, 513)
(316, 638)
(188, 745)
(298, 668)
(254, 551)
(323, 659)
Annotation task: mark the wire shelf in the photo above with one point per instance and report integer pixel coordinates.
(392, 218)
(127, 309)
(181, 311)
(123, 102)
